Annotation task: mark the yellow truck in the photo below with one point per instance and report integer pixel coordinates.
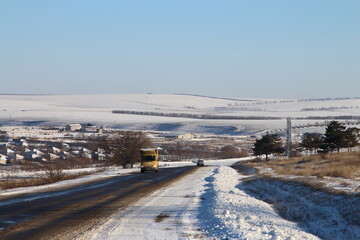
(149, 159)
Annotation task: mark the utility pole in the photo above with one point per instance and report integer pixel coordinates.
(288, 138)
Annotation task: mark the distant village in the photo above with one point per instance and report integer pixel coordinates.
(37, 145)
(19, 145)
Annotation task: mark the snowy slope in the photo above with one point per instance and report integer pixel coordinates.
(181, 103)
(98, 109)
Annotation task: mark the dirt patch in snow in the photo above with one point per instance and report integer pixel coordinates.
(161, 217)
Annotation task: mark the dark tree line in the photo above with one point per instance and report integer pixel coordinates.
(227, 117)
(336, 137)
(196, 116)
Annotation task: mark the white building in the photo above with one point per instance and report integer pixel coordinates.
(65, 146)
(55, 150)
(9, 152)
(19, 157)
(186, 136)
(3, 159)
(52, 156)
(73, 127)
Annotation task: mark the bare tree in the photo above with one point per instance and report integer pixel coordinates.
(125, 147)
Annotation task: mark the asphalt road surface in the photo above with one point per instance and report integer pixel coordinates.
(68, 213)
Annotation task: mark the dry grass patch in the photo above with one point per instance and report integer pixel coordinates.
(47, 178)
(346, 165)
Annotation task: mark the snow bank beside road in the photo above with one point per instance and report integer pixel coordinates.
(229, 213)
(327, 215)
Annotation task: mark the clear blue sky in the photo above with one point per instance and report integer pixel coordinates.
(233, 48)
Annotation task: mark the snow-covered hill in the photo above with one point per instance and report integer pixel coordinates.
(60, 109)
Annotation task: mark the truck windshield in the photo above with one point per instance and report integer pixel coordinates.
(148, 158)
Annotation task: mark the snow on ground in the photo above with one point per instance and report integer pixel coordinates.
(332, 184)
(203, 205)
(327, 215)
(97, 109)
(216, 202)
(108, 172)
(229, 213)
(169, 213)
(13, 172)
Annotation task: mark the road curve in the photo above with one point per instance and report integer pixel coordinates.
(68, 213)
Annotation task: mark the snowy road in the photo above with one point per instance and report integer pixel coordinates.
(203, 205)
(212, 202)
(71, 211)
(169, 213)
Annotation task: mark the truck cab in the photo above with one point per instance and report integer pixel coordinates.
(149, 159)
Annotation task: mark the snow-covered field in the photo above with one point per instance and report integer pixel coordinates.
(62, 109)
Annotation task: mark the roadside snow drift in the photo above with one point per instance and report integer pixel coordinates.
(229, 213)
(327, 215)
